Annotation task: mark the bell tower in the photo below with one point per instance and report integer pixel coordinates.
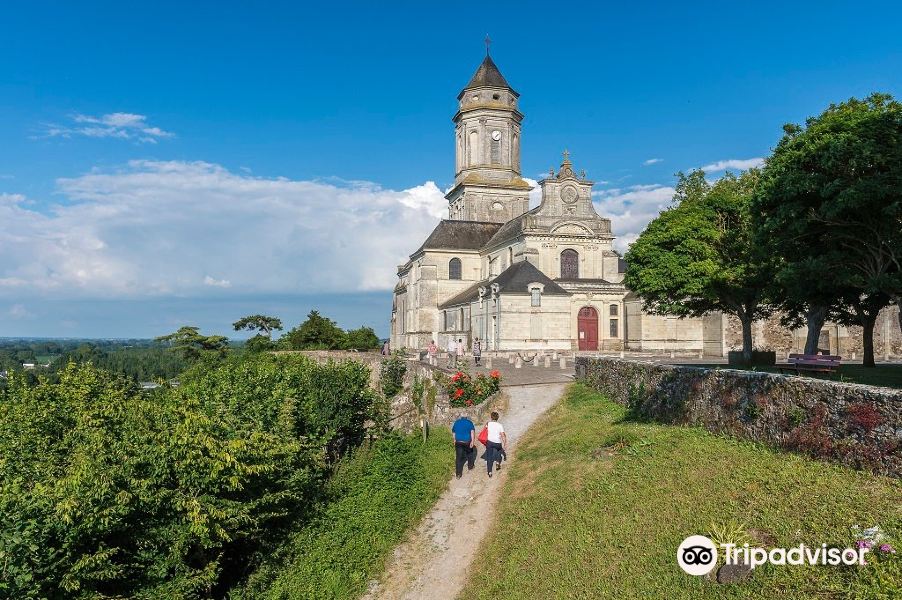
(487, 182)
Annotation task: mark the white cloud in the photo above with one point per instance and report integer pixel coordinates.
(733, 163)
(156, 228)
(631, 208)
(652, 161)
(126, 126)
(223, 283)
(18, 311)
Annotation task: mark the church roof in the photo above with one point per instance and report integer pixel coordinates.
(459, 235)
(513, 280)
(488, 75)
(509, 230)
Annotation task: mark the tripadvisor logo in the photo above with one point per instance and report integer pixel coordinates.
(697, 555)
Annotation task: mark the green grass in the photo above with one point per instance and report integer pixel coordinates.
(595, 507)
(888, 375)
(376, 496)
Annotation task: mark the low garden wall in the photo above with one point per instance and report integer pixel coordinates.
(857, 425)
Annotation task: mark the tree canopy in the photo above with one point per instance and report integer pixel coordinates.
(699, 255)
(193, 345)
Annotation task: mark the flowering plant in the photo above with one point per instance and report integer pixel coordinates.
(875, 540)
(466, 390)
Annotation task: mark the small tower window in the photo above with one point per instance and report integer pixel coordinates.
(454, 269)
(536, 296)
(569, 264)
(613, 310)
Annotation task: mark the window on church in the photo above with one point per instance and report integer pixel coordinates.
(613, 310)
(454, 269)
(569, 264)
(536, 294)
(615, 331)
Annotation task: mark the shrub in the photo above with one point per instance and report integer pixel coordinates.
(105, 491)
(391, 374)
(464, 390)
(864, 416)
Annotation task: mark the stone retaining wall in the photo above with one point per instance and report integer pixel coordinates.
(857, 425)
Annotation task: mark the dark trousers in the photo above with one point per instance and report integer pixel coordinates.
(493, 453)
(477, 357)
(463, 454)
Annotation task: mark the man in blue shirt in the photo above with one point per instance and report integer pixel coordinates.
(464, 444)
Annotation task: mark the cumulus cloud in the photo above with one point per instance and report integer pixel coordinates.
(156, 228)
(652, 161)
(121, 125)
(733, 163)
(631, 208)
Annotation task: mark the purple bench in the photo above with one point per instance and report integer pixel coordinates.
(812, 363)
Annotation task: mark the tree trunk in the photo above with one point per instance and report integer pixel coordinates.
(867, 325)
(899, 304)
(815, 316)
(746, 340)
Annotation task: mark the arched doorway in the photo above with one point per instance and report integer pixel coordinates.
(587, 328)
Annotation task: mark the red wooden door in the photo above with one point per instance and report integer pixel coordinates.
(587, 328)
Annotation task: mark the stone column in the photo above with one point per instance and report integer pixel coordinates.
(518, 364)
(563, 362)
(547, 361)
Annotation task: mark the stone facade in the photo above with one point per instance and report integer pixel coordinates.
(857, 425)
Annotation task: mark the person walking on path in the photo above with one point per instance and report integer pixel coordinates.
(452, 352)
(477, 351)
(496, 445)
(386, 348)
(464, 444)
(431, 349)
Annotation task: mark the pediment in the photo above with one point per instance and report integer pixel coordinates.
(571, 229)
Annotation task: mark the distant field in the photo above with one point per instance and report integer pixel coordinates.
(596, 506)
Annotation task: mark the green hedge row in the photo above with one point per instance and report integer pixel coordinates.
(106, 491)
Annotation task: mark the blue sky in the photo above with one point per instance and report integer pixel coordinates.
(168, 163)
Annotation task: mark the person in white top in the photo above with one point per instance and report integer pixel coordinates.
(496, 445)
(452, 352)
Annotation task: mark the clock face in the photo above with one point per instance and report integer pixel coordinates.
(496, 135)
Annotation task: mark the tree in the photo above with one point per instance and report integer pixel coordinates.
(862, 309)
(363, 338)
(699, 255)
(830, 207)
(316, 333)
(193, 345)
(261, 323)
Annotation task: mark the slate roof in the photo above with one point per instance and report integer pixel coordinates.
(487, 75)
(510, 230)
(459, 235)
(514, 280)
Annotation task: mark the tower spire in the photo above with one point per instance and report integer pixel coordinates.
(488, 42)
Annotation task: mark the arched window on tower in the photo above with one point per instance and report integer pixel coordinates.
(454, 269)
(569, 264)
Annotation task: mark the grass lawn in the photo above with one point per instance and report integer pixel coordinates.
(375, 497)
(888, 375)
(595, 507)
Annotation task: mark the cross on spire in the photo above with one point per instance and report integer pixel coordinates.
(488, 42)
(566, 155)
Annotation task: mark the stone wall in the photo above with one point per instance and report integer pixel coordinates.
(857, 425)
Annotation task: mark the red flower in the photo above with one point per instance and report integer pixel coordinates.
(458, 393)
(457, 376)
(495, 374)
(469, 403)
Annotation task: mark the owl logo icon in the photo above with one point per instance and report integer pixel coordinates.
(697, 555)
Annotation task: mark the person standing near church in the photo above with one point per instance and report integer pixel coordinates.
(496, 445)
(464, 444)
(386, 348)
(431, 349)
(477, 351)
(461, 349)
(452, 352)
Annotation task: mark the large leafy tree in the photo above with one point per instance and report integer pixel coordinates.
(362, 338)
(193, 345)
(316, 333)
(700, 256)
(264, 326)
(829, 209)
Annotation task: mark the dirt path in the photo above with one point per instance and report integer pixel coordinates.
(434, 560)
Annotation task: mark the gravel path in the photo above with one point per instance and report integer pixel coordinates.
(434, 560)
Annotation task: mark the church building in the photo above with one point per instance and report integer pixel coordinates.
(535, 279)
